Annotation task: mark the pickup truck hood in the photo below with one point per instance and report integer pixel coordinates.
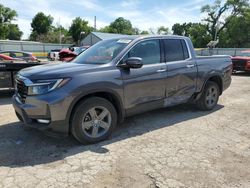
(241, 58)
(57, 70)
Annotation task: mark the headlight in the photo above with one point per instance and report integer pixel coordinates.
(45, 86)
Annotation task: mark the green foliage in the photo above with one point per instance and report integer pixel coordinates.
(121, 26)
(41, 25)
(6, 14)
(77, 27)
(178, 29)
(53, 36)
(237, 32)
(7, 29)
(196, 31)
(218, 10)
(144, 33)
(162, 30)
(14, 32)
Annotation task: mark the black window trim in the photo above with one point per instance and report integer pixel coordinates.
(162, 54)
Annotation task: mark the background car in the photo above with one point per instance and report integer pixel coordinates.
(4, 57)
(242, 63)
(53, 55)
(68, 54)
(20, 55)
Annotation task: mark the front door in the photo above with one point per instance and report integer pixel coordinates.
(145, 88)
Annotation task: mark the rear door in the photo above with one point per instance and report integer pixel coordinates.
(182, 71)
(145, 88)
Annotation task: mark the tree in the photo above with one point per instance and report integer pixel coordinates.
(162, 30)
(105, 29)
(136, 31)
(178, 29)
(121, 26)
(77, 27)
(196, 31)
(6, 14)
(216, 12)
(14, 32)
(198, 34)
(53, 36)
(7, 29)
(41, 24)
(144, 33)
(237, 33)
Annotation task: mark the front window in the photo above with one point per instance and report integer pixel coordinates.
(102, 52)
(148, 51)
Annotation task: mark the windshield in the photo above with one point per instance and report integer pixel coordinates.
(102, 52)
(79, 50)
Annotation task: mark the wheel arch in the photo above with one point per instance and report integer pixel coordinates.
(217, 79)
(108, 95)
(214, 78)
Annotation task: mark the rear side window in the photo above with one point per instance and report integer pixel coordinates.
(175, 50)
(148, 50)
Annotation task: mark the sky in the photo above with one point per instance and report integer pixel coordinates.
(142, 14)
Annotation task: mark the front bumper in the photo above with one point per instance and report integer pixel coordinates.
(36, 108)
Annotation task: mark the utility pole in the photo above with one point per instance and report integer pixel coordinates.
(95, 23)
(60, 32)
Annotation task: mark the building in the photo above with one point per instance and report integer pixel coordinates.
(95, 37)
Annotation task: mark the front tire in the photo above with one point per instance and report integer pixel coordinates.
(93, 120)
(209, 97)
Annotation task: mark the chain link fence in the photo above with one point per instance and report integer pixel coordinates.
(221, 51)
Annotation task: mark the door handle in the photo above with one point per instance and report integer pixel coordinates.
(190, 65)
(161, 70)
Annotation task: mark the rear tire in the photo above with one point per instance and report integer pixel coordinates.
(93, 120)
(209, 97)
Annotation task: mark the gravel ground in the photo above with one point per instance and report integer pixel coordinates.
(174, 147)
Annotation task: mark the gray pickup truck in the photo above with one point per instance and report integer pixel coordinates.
(118, 78)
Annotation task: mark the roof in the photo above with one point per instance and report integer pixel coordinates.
(14, 51)
(105, 36)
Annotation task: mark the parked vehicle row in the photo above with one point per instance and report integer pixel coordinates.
(115, 79)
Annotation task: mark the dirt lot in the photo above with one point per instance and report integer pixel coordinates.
(175, 147)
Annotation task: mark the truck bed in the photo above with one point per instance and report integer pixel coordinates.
(8, 71)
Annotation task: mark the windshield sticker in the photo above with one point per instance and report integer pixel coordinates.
(126, 41)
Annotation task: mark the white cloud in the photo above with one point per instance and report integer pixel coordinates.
(88, 4)
(24, 26)
(130, 3)
(134, 10)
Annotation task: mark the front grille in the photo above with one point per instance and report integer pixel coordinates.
(239, 64)
(21, 89)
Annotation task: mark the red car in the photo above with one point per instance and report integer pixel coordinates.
(11, 55)
(4, 57)
(68, 54)
(242, 63)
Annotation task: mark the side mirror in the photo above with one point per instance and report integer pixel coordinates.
(133, 62)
